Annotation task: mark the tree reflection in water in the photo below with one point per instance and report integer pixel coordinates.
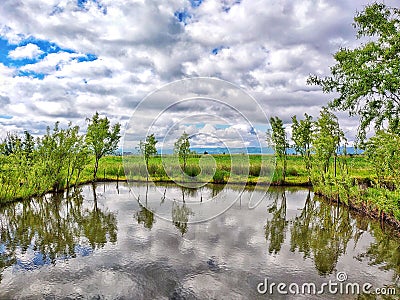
(51, 228)
(145, 216)
(275, 229)
(384, 251)
(180, 216)
(322, 233)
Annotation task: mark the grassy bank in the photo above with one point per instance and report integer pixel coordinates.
(354, 184)
(112, 167)
(354, 187)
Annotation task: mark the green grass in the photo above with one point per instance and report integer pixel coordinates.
(236, 168)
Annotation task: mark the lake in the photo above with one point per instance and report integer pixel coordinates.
(101, 242)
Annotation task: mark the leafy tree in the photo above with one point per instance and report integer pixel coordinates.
(59, 153)
(11, 143)
(326, 138)
(383, 152)
(101, 138)
(302, 138)
(277, 139)
(148, 149)
(367, 78)
(182, 148)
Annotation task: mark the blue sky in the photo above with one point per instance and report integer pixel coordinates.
(64, 60)
(43, 46)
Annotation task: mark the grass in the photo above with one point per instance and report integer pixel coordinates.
(252, 169)
(235, 168)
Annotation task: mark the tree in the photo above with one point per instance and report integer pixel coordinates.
(326, 137)
(148, 149)
(367, 78)
(302, 138)
(383, 152)
(11, 143)
(277, 139)
(182, 148)
(101, 138)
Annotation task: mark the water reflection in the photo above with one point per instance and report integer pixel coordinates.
(384, 251)
(291, 235)
(145, 216)
(180, 216)
(44, 230)
(275, 228)
(323, 231)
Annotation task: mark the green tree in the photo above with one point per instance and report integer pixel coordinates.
(11, 143)
(148, 149)
(383, 152)
(327, 137)
(28, 145)
(182, 148)
(101, 138)
(367, 78)
(277, 139)
(302, 137)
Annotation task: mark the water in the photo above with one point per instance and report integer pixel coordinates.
(106, 245)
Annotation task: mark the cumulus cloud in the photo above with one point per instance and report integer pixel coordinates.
(266, 47)
(28, 51)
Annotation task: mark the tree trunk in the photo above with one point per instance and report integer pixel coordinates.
(334, 159)
(284, 168)
(96, 166)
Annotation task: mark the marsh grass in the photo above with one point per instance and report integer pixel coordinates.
(216, 168)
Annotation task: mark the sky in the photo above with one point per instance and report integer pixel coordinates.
(63, 60)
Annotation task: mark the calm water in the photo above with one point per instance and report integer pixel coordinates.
(104, 244)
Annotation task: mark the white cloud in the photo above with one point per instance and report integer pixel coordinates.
(265, 46)
(27, 51)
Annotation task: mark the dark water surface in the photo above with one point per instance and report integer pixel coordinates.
(104, 244)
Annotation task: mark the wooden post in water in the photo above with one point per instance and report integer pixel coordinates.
(104, 174)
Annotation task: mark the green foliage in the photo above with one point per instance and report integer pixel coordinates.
(383, 152)
(182, 148)
(220, 176)
(277, 139)
(30, 167)
(302, 137)
(101, 138)
(367, 78)
(148, 148)
(327, 137)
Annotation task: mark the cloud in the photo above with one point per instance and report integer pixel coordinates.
(269, 48)
(29, 51)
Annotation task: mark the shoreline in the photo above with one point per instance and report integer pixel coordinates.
(361, 208)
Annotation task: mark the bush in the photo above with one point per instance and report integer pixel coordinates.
(219, 176)
(292, 172)
(192, 170)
